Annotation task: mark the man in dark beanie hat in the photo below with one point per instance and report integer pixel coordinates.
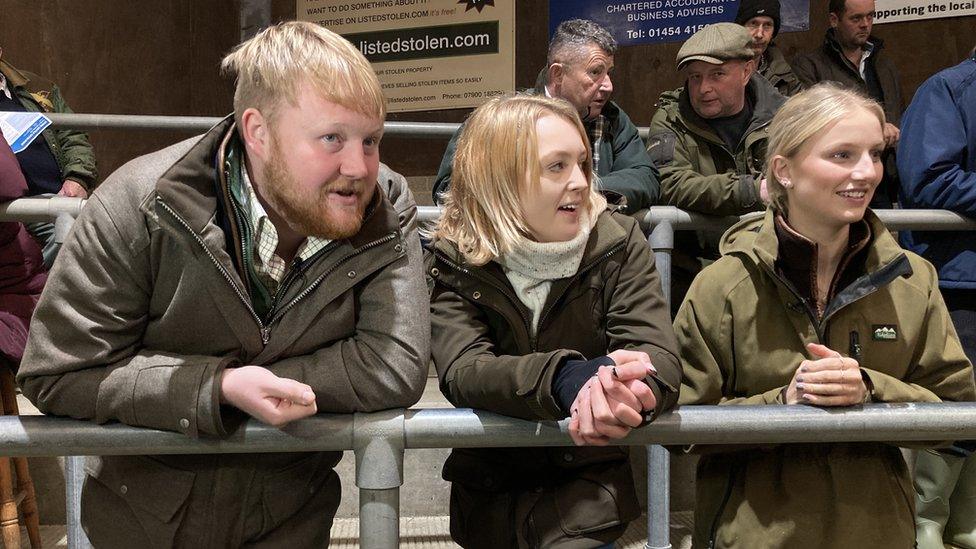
(761, 18)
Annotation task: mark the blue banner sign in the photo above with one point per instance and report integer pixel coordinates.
(655, 21)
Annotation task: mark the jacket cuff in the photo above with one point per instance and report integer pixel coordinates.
(86, 179)
(571, 376)
(665, 396)
(212, 417)
(748, 192)
(541, 401)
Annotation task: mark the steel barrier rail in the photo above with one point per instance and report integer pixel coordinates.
(680, 220)
(467, 428)
(200, 124)
(40, 209)
(385, 441)
(379, 439)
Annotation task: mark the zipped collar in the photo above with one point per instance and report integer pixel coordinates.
(832, 47)
(605, 235)
(607, 238)
(754, 240)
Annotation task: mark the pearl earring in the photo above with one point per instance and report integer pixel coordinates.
(786, 184)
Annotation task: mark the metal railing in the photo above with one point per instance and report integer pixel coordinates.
(380, 439)
(200, 124)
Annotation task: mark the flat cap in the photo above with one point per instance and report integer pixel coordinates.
(716, 44)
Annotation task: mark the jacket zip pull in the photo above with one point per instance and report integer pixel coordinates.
(855, 348)
(265, 334)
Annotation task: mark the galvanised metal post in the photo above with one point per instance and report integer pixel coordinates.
(74, 479)
(378, 440)
(661, 241)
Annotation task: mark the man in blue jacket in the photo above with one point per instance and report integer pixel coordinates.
(937, 165)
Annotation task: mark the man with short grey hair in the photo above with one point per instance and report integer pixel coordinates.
(579, 64)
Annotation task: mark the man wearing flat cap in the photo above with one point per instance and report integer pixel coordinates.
(761, 18)
(708, 138)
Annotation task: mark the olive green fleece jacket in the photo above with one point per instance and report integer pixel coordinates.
(487, 358)
(742, 331)
(698, 171)
(70, 148)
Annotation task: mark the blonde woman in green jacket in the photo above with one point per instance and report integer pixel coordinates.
(545, 305)
(815, 304)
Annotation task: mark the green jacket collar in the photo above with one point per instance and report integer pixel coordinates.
(755, 239)
(15, 77)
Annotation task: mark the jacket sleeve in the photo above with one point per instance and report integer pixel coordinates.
(79, 158)
(893, 104)
(941, 371)
(443, 180)
(472, 373)
(639, 319)
(85, 357)
(384, 364)
(806, 70)
(684, 187)
(932, 152)
(703, 326)
(631, 172)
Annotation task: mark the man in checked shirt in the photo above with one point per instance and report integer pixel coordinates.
(270, 268)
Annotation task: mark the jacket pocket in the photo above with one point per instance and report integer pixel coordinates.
(288, 490)
(598, 497)
(482, 519)
(156, 493)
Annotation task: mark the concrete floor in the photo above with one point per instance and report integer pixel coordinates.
(426, 533)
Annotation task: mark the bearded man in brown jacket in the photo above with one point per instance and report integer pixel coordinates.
(270, 268)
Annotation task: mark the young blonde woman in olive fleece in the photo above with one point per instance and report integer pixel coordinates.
(816, 304)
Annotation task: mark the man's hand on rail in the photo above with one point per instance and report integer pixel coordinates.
(891, 134)
(73, 189)
(259, 393)
(828, 380)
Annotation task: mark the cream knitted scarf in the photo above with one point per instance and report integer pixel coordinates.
(532, 266)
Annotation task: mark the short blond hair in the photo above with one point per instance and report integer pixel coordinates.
(497, 159)
(803, 116)
(273, 66)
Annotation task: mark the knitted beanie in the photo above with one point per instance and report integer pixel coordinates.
(755, 8)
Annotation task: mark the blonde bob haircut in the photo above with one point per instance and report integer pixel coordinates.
(496, 163)
(274, 65)
(802, 117)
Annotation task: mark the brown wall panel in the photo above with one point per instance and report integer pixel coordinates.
(125, 57)
(160, 57)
